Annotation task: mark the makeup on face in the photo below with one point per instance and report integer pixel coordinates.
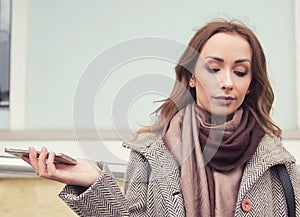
(223, 74)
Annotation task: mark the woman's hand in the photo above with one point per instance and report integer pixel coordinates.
(84, 173)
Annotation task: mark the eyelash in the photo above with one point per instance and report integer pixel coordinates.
(211, 70)
(241, 74)
(238, 73)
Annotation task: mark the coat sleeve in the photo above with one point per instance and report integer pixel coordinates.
(104, 197)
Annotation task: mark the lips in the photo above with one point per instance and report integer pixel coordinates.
(224, 97)
(224, 100)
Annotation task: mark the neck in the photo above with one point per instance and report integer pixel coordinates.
(213, 119)
(218, 120)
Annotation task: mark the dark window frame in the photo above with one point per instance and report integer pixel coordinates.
(5, 45)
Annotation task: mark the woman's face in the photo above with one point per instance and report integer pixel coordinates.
(223, 74)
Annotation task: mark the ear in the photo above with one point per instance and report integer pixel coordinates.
(192, 82)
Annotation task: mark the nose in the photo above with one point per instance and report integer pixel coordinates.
(227, 83)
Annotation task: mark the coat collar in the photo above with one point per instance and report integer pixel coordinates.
(270, 152)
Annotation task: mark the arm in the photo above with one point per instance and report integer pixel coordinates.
(104, 197)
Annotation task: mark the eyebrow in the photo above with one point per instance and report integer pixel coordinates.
(222, 60)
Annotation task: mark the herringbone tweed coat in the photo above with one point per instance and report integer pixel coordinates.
(152, 186)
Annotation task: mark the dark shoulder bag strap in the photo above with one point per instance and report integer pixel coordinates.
(287, 188)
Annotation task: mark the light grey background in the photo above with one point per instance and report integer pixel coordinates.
(64, 36)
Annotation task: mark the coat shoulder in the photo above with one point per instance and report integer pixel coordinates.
(139, 142)
(271, 148)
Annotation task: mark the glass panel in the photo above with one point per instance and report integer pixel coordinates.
(5, 26)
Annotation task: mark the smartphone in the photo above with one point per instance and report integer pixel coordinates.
(59, 157)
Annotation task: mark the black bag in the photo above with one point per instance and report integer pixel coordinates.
(287, 188)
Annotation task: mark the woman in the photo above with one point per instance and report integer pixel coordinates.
(211, 152)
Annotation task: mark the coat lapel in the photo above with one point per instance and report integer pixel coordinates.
(270, 152)
(165, 173)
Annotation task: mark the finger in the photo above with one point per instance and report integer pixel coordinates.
(33, 161)
(51, 168)
(42, 165)
(24, 158)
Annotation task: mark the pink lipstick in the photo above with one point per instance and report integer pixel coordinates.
(224, 100)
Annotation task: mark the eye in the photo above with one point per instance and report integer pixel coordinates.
(241, 74)
(241, 70)
(212, 70)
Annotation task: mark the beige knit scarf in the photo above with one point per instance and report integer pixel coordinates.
(223, 149)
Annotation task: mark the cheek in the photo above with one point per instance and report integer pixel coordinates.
(243, 87)
(207, 82)
(201, 93)
(207, 85)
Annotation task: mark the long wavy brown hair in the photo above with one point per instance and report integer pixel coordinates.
(260, 98)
